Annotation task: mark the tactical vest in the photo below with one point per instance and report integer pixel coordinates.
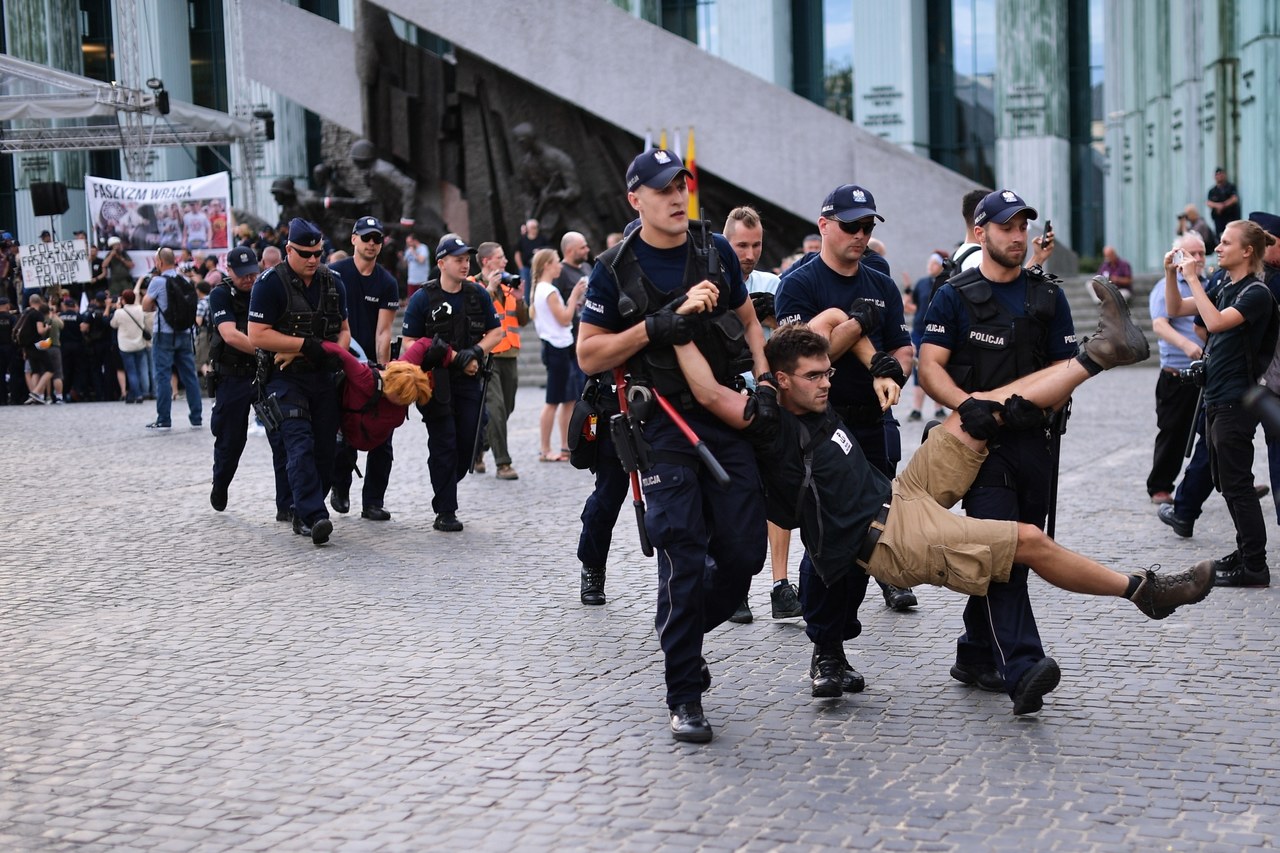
(299, 319)
(459, 331)
(1000, 346)
(219, 352)
(720, 337)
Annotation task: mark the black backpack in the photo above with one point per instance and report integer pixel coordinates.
(181, 299)
(24, 332)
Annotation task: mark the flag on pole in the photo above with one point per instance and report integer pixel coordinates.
(675, 145)
(690, 163)
(662, 139)
(648, 140)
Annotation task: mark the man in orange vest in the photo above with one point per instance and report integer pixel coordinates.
(513, 312)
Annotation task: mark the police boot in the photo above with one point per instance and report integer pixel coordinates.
(1117, 340)
(340, 499)
(592, 586)
(826, 669)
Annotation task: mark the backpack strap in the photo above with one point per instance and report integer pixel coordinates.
(807, 487)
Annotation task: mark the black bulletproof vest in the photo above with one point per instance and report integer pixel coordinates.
(721, 337)
(219, 352)
(300, 320)
(460, 331)
(1000, 346)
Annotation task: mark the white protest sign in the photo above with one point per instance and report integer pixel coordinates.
(59, 263)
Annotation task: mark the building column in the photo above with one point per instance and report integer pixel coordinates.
(1257, 174)
(755, 35)
(1033, 155)
(891, 73)
(1186, 146)
(1123, 120)
(1156, 196)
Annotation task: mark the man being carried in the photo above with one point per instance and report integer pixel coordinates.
(852, 517)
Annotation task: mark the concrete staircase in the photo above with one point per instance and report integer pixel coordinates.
(1085, 313)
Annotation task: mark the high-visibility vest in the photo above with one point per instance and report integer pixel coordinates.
(506, 311)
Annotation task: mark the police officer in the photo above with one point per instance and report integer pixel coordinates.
(840, 276)
(372, 300)
(985, 328)
(710, 538)
(232, 357)
(292, 308)
(460, 312)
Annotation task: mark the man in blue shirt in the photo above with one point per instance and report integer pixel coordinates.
(985, 328)
(293, 308)
(170, 348)
(372, 299)
(842, 276)
(232, 357)
(709, 537)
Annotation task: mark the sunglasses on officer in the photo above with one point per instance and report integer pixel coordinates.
(371, 237)
(862, 225)
(305, 254)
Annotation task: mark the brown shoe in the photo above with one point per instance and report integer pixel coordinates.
(1117, 340)
(506, 472)
(1159, 595)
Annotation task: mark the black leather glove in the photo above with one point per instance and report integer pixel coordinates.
(463, 357)
(437, 354)
(314, 352)
(763, 303)
(886, 366)
(867, 313)
(666, 328)
(762, 404)
(1021, 413)
(978, 418)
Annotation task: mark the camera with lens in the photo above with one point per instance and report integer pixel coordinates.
(1193, 375)
(509, 279)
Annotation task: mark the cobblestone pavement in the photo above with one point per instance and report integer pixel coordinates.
(178, 679)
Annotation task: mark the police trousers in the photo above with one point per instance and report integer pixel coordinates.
(451, 434)
(710, 539)
(308, 438)
(600, 512)
(230, 425)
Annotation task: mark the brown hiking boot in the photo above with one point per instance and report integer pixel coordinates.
(1117, 340)
(1159, 595)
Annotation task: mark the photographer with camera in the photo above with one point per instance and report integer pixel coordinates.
(500, 397)
(118, 267)
(1239, 319)
(1176, 394)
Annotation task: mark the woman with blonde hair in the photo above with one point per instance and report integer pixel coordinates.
(1239, 318)
(553, 318)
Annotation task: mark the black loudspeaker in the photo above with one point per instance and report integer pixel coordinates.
(49, 199)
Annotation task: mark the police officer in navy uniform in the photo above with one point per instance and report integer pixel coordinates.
(986, 327)
(710, 538)
(460, 312)
(372, 300)
(845, 274)
(600, 511)
(10, 354)
(232, 357)
(293, 308)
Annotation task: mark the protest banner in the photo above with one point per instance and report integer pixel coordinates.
(59, 263)
(192, 214)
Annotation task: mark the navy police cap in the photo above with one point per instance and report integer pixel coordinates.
(655, 168)
(849, 203)
(242, 261)
(304, 233)
(367, 225)
(1269, 222)
(452, 245)
(1001, 206)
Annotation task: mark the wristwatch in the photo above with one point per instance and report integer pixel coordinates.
(767, 376)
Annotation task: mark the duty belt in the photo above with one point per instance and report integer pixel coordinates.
(225, 368)
(872, 537)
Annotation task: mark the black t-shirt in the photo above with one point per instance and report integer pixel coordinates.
(1233, 357)
(845, 492)
(528, 246)
(71, 333)
(8, 320)
(1231, 212)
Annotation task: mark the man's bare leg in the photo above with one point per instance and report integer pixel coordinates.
(1064, 568)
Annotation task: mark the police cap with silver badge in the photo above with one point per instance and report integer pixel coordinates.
(1001, 206)
(849, 203)
(304, 233)
(655, 168)
(453, 246)
(367, 225)
(242, 261)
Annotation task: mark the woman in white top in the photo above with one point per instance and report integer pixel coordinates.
(133, 328)
(554, 321)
